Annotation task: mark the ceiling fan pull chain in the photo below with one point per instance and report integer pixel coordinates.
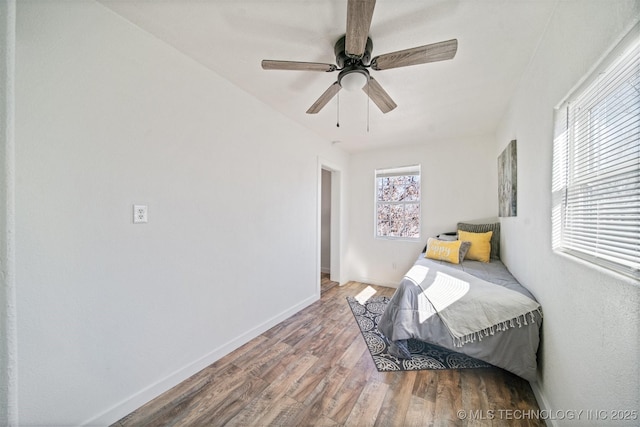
(368, 102)
(338, 111)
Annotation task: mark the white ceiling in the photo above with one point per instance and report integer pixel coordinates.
(463, 97)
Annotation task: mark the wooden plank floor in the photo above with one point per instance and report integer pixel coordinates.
(326, 283)
(314, 369)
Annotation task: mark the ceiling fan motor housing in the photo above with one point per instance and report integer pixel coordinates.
(344, 60)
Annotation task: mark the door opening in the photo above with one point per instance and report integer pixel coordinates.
(325, 232)
(329, 265)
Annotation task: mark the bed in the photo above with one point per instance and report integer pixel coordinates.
(471, 306)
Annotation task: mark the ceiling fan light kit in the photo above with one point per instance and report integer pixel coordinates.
(353, 59)
(353, 79)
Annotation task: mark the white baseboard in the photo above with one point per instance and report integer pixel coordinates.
(370, 281)
(542, 403)
(143, 396)
(325, 270)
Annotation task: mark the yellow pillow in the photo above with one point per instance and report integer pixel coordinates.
(443, 251)
(480, 249)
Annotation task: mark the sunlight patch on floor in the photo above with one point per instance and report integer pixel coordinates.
(365, 294)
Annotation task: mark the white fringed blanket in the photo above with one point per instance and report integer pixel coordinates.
(472, 308)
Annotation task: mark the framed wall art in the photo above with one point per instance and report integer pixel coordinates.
(508, 181)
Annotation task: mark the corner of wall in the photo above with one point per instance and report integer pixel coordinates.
(542, 402)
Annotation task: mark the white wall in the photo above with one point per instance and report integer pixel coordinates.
(110, 313)
(459, 183)
(8, 344)
(591, 331)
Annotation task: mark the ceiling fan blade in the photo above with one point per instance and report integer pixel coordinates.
(379, 96)
(268, 64)
(418, 55)
(359, 15)
(324, 98)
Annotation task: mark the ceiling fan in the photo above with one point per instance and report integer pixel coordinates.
(353, 58)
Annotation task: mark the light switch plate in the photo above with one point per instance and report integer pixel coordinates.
(139, 214)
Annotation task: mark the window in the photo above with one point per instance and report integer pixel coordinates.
(596, 167)
(398, 202)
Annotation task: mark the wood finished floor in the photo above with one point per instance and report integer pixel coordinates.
(314, 369)
(326, 283)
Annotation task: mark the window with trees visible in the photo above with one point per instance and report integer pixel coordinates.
(398, 202)
(596, 166)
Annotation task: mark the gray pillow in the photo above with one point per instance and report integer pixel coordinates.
(464, 248)
(483, 228)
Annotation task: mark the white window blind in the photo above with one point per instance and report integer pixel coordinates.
(596, 168)
(398, 202)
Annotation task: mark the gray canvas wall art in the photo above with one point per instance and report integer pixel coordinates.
(508, 181)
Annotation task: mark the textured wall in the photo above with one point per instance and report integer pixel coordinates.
(8, 338)
(591, 345)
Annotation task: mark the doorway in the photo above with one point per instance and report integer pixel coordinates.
(328, 226)
(325, 232)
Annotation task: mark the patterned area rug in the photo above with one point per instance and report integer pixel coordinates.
(423, 355)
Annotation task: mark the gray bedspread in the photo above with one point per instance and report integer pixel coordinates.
(410, 315)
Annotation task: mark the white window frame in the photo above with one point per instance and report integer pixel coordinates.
(402, 203)
(596, 164)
